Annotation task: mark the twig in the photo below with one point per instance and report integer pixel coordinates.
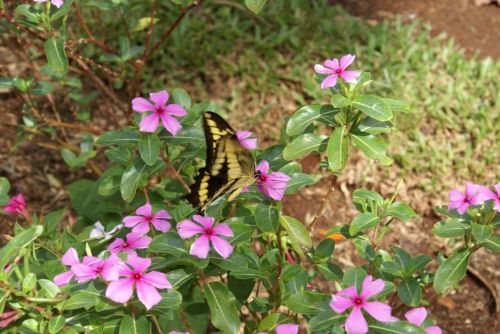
(176, 173)
(157, 324)
(91, 39)
(280, 269)
(324, 201)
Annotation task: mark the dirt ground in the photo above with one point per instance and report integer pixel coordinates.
(471, 309)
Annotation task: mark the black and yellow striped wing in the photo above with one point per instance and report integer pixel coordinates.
(229, 166)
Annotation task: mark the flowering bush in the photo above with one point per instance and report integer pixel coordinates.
(239, 266)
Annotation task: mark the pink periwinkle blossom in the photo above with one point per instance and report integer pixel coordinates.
(335, 69)
(285, 329)
(246, 140)
(146, 284)
(474, 195)
(160, 110)
(57, 3)
(273, 184)
(133, 241)
(356, 322)
(140, 223)
(7, 317)
(70, 258)
(16, 205)
(209, 234)
(94, 267)
(417, 317)
(490, 195)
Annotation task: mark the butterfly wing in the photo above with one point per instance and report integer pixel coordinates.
(229, 166)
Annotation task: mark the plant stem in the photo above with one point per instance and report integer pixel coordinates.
(324, 201)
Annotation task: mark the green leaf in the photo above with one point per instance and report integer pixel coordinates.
(255, 5)
(302, 303)
(56, 56)
(373, 106)
(493, 243)
(340, 101)
(373, 126)
(149, 148)
(42, 88)
(82, 299)
(56, 324)
(397, 105)
(180, 96)
(143, 23)
(481, 232)
(410, 292)
(325, 321)
(170, 300)
(20, 241)
(373, 147)
(29, 282)
(305, 115)
(131, 179)
(396, 327)
(363, 221)
(5, 82)
(401, 211)
(4, 190)
(50, 288)
(169, 243)
(296, 230)
(131, 324)
(417, 263)
(450, 228)
(354, 276)
(268, 323)
(123, 137)
(267, 217)
(338, 149)
(452, 270)
(303, 145)
(51, 221)
(222, 304)
(325, 249)
(69, 157)
(299, 180)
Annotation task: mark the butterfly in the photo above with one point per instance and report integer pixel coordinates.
(229, 166)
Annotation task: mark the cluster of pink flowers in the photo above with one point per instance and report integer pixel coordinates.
(57, 3)
(335, 69)
(475, 194)
(356, 322)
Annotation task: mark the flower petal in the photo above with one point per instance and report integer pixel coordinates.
(136, 240)
(140, 104)
(200, 247)
(157, 279)
(57, 3)
(171, 124)
(70, 258)
(148, 295)
(206, 221)
(63, 278)
(162, 214)
(482, 195)
(416, 316)
(161, 225)
(456, 196)
(346, 61)
(116, 246)
(262, 167)
(223, 229)
(159, 98)
(131, 221)
(332, 63)
(120, 290)
(187, 229)
(83, 273)
(340, 303)
(145, 210)
(221, 246)
(175, 110)
(471, 189)
(138, 263)
(462, 208)
(433, 330)
(371, 287)
(150, 123)
(329, 81)
(322, 70)
(287, 329)
(350, 76)
(356, 322)
(378, 310)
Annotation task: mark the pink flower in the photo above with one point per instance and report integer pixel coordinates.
(285, 329)
(93, 267)
(487, 194)
(356, 322)
(336, 69)
(146, 284)
(417, 317)
(57, 3)
(16, 205)
(7, 317)
(134, 241)
(246, 141)
(209, 233)
(160, 111)
(272, 185)
(140, 223)
(472, 196)
(70, 258)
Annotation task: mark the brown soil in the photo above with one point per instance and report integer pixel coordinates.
(475, 28)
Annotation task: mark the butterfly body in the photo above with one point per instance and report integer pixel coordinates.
(229, 166)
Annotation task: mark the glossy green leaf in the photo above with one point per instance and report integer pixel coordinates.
(401, 211)
(338, 149)
(222, 304)
(299, 180)
(56, 324)
(132, 324)
(354, 276)
(19, 242)
(340, 101)
(373, 147)
(82, 299)
(363, 221)
(493, 243)
(296, 230)
(267, 217)
(50, 288)
(305, 115)
(481, 232)
(397, 105)
(255, 5)
(123, 137)
(181, 97)
(42, 88)
(149, 148)
(373, 106)
(452, 270)
(303, 145)
(396, 327)
(56, 56)
(410, 292)
(451, 228)
(373, 126)
(302, 303)
(131, 179)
